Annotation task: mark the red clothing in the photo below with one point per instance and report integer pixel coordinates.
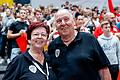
(118, 17)
(22, 42)
(118, 76)
(110, 5)
(100, 17)
(98, 31)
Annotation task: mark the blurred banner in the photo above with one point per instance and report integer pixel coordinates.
(110, 5)
(9, 2)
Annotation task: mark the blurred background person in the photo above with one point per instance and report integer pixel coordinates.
(111, 46)
(16, 29)
(7, 21)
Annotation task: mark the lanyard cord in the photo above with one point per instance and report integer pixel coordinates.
(39, 68)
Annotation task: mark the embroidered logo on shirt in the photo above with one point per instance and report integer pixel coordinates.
(32, 68)
(57, 52)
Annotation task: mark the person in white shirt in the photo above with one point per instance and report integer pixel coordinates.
(111, 46)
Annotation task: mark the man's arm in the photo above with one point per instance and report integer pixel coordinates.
(105, 74)
(10, 34)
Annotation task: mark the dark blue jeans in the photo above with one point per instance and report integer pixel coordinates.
(114, 69)
(3, 39)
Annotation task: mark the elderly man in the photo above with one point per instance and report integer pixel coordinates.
(71, 57)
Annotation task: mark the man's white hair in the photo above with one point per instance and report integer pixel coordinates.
(109, 14)
(65, 11)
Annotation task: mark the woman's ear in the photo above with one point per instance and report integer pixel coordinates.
(29, 42)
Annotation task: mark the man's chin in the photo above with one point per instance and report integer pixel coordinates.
(64, 34)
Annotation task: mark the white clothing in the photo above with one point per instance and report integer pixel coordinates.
(111, 47)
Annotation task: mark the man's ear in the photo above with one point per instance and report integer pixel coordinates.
(73, 22)
(29, 41)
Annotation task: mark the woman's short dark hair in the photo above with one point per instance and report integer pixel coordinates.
(35, 25)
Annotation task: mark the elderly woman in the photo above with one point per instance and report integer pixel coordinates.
(33, 64)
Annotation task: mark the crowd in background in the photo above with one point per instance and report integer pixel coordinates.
(87, 20)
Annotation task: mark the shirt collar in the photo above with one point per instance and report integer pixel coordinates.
(77, 38)
(30, 58)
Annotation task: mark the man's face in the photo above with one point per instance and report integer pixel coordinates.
(22, 14)
(8, 12)
(112, 20)
(64, 23)
(39, 15)
(118, 9)
(80, 21)
(106, 28)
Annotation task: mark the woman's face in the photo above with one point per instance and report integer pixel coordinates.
(38, 38)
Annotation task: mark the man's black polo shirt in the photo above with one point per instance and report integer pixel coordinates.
(22, 68)
(80, 60)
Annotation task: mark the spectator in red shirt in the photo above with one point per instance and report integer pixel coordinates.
(111, 18)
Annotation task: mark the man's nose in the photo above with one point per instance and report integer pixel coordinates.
(63, 21)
